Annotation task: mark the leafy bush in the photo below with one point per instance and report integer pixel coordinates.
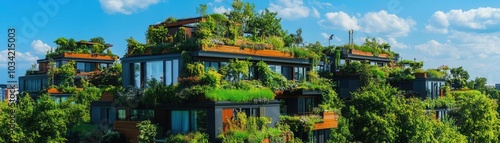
(147, 131)
(192, 137)
(212, 78)
(269, 78)
(277, 42)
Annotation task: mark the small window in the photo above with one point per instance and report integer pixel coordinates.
(122, 115)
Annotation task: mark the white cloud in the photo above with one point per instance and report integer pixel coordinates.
(379, 23)
(481, 18)
(387, 24)
(321, 5)
(22, 59)
(40, 47)
(218, 0)
(339, 20)
(484, 43)
(395, 44)
(290, 9)
(221, 9)
(437, 49)
(125, 6)
(315, 12)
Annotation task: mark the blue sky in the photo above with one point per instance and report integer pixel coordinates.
(445, 32)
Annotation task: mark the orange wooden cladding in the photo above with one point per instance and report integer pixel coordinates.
(369, 54)
(128, 128)
(329, 121)
(89, 56)
(247, 51)
(107, 96)
(57, 91)
(227, 114)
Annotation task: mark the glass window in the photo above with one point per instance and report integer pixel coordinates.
(154, 70)
(103, 65)
(309, 104)
(300, 73)
(80, 66)
(180, 121)
(168, 72)
(287, 72)
(89, 67)
(175, 70)
(141, 115)
(184, 121)
(137, 74)
(122, 114)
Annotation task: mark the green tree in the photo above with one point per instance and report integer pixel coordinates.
(477, 116)
(459, 77)
(373, 113)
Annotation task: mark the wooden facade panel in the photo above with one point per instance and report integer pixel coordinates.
(128, 128)
(227, 115)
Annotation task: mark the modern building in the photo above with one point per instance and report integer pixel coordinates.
(37, 81)
(5, 92)
(203, 115)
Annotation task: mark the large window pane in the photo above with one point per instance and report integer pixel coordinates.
(154, 70)
(287, 72)
(168, 72)
(175, 70)
(80, 66)
(137, 74)
(180, 121)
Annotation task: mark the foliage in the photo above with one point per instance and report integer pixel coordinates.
(237, 95)
(192, 137)
(157, 35)
(269, 78)
(211, 78)
(65, 45)
(459, 77)
(301, 126)
(40, 121)
(373, 113)
(95, 133)
(253, 130)
(147, 131)
(111, 76)
(341, 134)
(476, 116)
(195, 69)
(236, 70)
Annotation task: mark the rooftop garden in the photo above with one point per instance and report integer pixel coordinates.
(95, 46)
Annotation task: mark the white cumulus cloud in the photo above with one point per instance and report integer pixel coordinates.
(386, 24)
(125, 6)
(339, 20)
(22, 59)
(40, 47)
(379, 23)
(221, 10)
(290, 9)
(481, 18)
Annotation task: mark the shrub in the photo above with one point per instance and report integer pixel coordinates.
(147, 131)
(212, 78)
(277, 42)
(192, 137)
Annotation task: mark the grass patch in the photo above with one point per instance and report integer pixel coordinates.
(238, 95)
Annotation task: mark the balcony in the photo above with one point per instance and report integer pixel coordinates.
(330, 120)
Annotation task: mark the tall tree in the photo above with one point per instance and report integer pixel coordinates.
(477, 116)
(459, 77)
